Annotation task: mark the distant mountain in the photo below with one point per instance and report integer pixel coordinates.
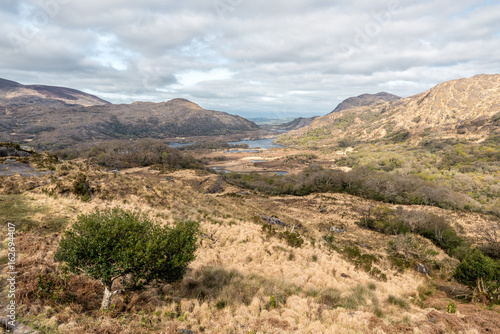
(296, 123)
(13, 93)
(73, 124)
(366, 100)
(464, 108)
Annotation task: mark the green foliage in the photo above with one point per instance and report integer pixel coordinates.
(451, 308)
(381, 186)
(292, 239)
(360, 260)
(400, 302)
(117, 244)
(81, 187)
(272, 303)
(475, 267)
(137, 153)
(435, 228)
(398, 137)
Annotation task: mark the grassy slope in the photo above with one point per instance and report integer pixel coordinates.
(243, 279)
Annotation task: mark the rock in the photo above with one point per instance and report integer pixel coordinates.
(184, 331)
(422, 269)
(337, 230)
(273, 220)
(115, 171)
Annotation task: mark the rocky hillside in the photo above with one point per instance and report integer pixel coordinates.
(464, 108)
(44, 125)
(13, 93)
(366, 100)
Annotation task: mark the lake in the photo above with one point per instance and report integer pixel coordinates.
(266, 143)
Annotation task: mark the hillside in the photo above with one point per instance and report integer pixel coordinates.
(13, 93)
(366, 100)
(464, 108)
(296, 123)
(265, 263)
(45, 125)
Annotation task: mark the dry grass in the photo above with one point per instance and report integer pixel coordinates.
(241, 281)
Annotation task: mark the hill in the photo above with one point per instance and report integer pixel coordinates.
(464, 108)
(365, 100)
(327, 262)
(296, 123)
(13, 93)
(46, 125)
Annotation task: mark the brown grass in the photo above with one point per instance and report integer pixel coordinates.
(238, 272)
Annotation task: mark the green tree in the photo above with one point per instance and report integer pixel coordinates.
(122, 245)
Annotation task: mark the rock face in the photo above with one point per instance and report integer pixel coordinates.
(13, 93)
(467, 108)
(366, 100)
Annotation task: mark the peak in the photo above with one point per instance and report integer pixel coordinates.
(366, 100)
(182, 103)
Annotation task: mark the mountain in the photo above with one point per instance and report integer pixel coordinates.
(463, 108)
(13, 93)
(59, 125)
(296, 123)
(366, 100)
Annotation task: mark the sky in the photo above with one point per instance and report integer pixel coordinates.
(254, 58)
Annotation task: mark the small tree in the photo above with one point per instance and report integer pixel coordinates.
(121, 245)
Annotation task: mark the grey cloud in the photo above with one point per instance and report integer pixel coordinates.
(296, 56)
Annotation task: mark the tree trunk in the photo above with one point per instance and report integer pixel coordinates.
(108, 294)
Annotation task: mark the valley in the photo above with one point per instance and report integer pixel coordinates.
(365, 220)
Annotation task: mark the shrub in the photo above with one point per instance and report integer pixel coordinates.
(451, 308)
(400, 302)
(476, 268)
(122, 245)
(81, 187)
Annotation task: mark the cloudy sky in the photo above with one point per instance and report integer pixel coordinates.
(250, 57)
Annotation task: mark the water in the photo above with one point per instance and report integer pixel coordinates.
(224, 170)
(177, 145)
(266, 143)
(243, 151)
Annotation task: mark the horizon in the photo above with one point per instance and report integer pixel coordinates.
(254, 59)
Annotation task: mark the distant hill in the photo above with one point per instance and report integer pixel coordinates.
(366, 100)
(59, 125)
(296, 123)
(13, 93)
(464, 108)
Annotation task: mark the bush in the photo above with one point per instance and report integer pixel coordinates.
(122, 245)
(477, 267)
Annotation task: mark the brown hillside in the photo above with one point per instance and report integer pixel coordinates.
(72, 124)
(466, 108)
(13, 93)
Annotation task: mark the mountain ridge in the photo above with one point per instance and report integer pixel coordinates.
(72, 124)
(14, 93)
(464, 107)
